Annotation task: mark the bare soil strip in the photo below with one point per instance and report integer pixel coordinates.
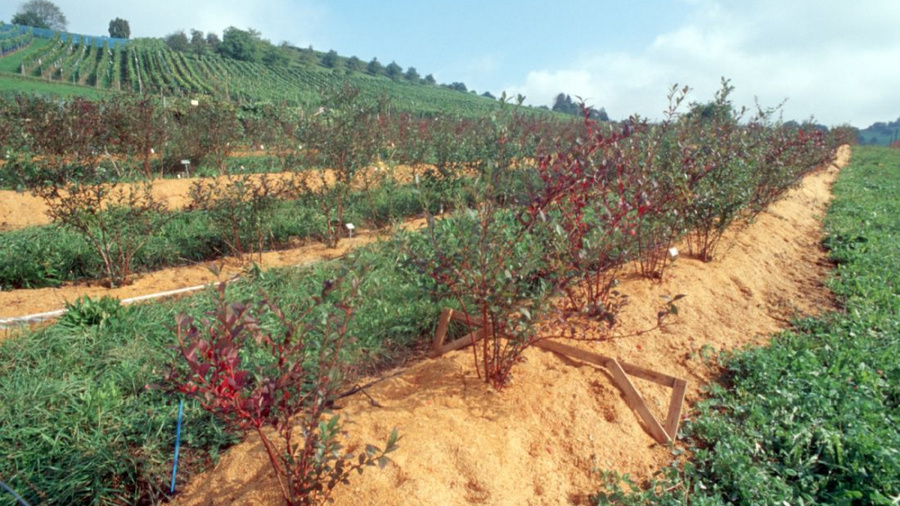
(544, 438)
(22, 209)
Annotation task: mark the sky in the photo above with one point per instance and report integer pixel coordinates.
(836, 61)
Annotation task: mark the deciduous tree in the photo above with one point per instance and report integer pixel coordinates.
(240, 44)
(119, 28)
(178, 41)
(374, 68)
(41, 14)
(330, 59)
(393, 70)
(353, 63)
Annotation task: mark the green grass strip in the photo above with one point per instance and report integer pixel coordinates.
(78, 424)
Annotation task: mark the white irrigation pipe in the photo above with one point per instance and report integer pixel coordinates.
(6, 323)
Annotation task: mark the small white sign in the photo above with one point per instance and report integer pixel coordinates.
(195, 103)
(673, 252)
(185, 162)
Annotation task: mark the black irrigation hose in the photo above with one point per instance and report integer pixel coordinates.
(13, 492)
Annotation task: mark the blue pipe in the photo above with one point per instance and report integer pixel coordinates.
(177, 444)
(13, 492)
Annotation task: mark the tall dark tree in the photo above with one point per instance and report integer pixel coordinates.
(412, 74)
(429, 79)
(374, 67)
(353, 63)
(565, 105)
(213, 41)
(330, 59)
(119, 28)
(198, 42)
(393, 70)
(178, 41)
(602, 115)
(41, 14)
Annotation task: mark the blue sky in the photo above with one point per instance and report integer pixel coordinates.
(830, 59)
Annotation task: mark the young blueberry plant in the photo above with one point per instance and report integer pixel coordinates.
(505, 259)
(115, 221)
(343, 139)
(241, 207)
(256, 378)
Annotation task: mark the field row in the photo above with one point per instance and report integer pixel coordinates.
(527, 221)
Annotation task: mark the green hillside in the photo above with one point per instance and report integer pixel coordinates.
(881, 133)
(81, 65)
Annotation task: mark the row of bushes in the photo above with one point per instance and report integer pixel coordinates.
(810, 419)
(527, 232)
(131, 137)
(694, 173)
(50, 255)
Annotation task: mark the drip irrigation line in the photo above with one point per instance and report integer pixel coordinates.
(22, 502)
(177, 444)
(7, 323)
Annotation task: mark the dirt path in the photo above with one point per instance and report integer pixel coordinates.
(19, 210)
(541, 440)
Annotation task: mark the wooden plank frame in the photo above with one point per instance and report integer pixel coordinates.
(662, 433)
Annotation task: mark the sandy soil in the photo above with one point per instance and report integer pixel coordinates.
(22, 209)
(19, 210)
(544, 439)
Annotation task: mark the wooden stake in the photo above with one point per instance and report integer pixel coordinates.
(636, 402)
(441, 331)
(673, 419)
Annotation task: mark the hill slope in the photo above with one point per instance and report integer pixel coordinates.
(95, 65)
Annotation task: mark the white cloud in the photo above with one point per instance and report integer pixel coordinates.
(828, 59)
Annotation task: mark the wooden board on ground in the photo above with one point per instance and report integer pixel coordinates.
(620, 371)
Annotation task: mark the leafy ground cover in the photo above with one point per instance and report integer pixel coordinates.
(812, 418)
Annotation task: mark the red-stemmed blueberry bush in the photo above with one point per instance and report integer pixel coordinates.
(259, 369)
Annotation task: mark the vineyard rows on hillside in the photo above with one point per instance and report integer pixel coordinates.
(149, 66)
